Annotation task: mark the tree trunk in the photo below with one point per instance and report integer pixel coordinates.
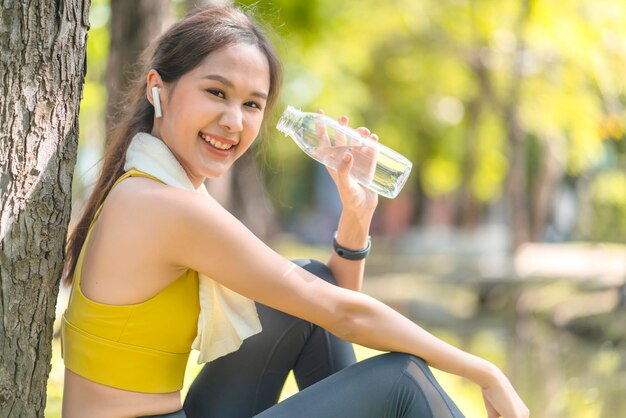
(134, 24)
(42, 68)
(516, 191)
(467, 211)
(550, 172)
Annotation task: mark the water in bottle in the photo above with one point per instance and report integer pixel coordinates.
(375, 166)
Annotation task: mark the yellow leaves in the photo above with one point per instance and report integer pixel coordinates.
(440, 176)
(610, 189)
(486, 184)
(612, 126)
(585, 148)
(563, 104)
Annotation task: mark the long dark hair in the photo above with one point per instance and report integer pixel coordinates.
(177, 51)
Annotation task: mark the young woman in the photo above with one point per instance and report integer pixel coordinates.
(157, 265)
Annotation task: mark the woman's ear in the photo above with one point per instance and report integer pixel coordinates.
(154, 90)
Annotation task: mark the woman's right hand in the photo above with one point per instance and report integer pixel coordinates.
(501, 400)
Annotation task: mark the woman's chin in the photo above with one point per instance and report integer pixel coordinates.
(214, 173)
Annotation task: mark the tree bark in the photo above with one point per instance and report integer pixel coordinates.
(134, 24)
(42, 68)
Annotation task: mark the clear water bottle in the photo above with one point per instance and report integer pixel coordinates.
(375, 166)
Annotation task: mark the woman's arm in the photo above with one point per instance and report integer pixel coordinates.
(199, 233)
(358, 205)
(352, 233)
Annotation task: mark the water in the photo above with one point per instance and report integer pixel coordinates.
(371, 169)
(375, 166)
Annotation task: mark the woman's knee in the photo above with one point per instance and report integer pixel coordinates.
(318, 268)
(396, 364)
(418, 378)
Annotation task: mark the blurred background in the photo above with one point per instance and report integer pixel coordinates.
(509, 238)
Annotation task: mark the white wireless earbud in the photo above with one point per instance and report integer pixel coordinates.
(157, 102)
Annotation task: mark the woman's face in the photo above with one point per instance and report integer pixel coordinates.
(213, 113)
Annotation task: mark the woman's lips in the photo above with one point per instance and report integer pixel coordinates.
(216, 147)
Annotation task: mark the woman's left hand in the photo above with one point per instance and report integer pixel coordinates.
(355, 198)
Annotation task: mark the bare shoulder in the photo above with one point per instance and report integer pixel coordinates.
(156, 213)
(151, 200)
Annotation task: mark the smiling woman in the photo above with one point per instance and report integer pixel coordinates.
(219, 105)
(158, 267)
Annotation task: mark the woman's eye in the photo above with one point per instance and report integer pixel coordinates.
(254, 105)
(218, 93)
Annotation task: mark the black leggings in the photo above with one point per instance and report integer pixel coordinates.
(247, 383)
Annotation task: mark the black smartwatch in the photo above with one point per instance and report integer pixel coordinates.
(349, 254)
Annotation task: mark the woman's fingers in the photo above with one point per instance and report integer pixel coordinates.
(343, 171)
(345, 149)
(340, 137)
(363, 131)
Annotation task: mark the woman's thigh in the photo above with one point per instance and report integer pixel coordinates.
(391, 385)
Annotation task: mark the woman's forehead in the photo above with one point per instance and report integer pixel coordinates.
(239, 62)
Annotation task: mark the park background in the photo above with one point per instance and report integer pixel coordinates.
(508, 239)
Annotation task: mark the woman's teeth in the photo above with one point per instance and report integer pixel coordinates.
(215, 143)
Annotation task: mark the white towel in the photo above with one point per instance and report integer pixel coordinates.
(226, 318)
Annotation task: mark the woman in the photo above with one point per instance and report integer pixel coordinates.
(157, 265)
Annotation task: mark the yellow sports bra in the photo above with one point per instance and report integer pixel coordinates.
(142, 347)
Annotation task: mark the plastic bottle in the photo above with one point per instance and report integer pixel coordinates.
(375, 166)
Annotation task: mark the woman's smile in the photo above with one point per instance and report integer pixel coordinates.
(218, 146)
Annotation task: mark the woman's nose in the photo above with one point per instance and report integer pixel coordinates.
(231, 119)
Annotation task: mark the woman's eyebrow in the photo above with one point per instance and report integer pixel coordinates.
(230, 84)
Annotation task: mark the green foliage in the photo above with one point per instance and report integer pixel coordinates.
(608, 202)
(437, 80)
(415, 71)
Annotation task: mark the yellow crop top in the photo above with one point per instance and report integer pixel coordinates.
(142, 347)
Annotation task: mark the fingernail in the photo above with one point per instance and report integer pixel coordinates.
(346, 157)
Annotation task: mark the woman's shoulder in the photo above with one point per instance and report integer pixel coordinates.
(165, 221)
(144, 203)
(146, 193)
